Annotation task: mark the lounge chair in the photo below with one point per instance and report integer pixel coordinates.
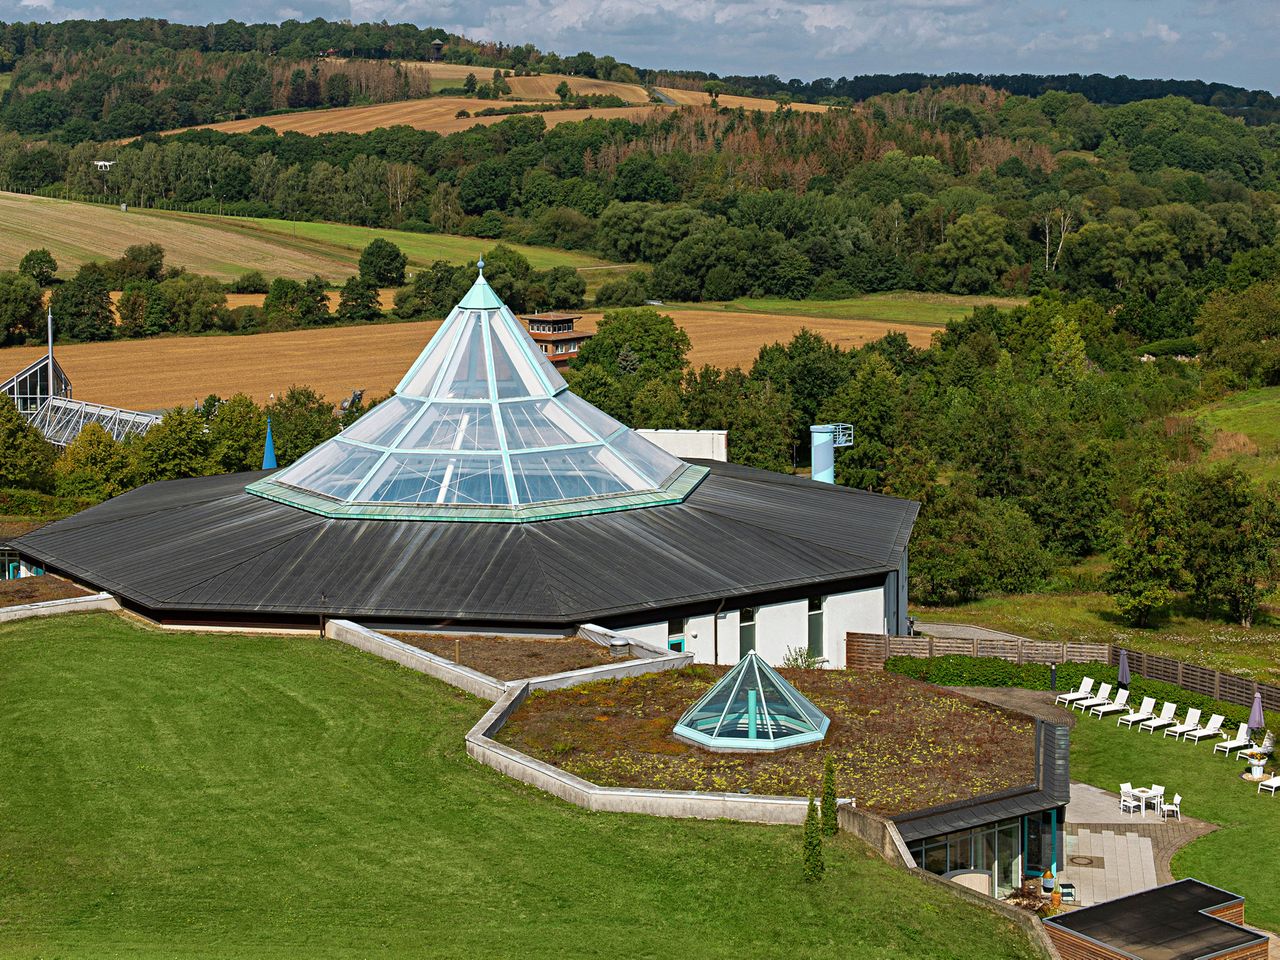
(1192, 723)
(1164, 809)
(1144, 712)
(1210, 729)
(1084, 693)
(1241, 742)
(1270, 785)
(1128, 802)
(1103, 697)
(1119, 705)
(1268, 743)
(1164, 720)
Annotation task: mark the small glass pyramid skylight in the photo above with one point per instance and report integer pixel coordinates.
(481, 428)
(752, 708)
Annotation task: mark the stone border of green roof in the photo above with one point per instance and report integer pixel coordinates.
(675, 490)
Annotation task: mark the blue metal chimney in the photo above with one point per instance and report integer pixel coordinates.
(269, 450)
(824, 438)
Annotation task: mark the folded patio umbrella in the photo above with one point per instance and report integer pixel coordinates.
(1256, 719)
(1123, 678)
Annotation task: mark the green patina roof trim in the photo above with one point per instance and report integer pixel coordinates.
(676, 490)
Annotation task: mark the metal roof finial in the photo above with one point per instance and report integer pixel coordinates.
(480, 266)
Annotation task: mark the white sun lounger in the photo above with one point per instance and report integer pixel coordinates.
(1192, 723)
(1103, 697)
(1144, 712)
(1241, 742)
(1270, 785)
(1210, 729)
(1164, 720)
(1084, 693)
(1119, 705)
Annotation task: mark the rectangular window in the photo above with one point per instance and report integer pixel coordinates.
(817, 644)
(675, 635)
(746, 631)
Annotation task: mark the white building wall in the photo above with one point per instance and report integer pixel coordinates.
(859, 611)
(779, 627)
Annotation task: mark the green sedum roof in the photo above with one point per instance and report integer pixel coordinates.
(481, 428)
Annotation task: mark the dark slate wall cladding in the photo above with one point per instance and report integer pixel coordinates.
(204, 547)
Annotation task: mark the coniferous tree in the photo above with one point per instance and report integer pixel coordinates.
(1147, 564)
(814, 865)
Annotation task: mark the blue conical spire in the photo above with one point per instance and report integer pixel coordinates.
(269, 450)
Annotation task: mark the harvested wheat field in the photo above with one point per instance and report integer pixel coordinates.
(437, 113)
(696, 98)
(166, 372)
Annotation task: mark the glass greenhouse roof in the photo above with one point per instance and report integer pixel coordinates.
(481, 427)
(752, 708)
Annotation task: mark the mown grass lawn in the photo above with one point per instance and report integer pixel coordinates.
(179, 795)
(900, 306)
(1092, 616)
(1254, 415)
(1242, 856)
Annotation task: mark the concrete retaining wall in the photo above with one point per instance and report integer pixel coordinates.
(50, 608)
(370, 641)
(877, 832)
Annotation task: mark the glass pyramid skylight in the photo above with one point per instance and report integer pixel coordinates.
(481, 428)
(752, 708)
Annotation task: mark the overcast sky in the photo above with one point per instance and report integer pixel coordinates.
(1232, 41)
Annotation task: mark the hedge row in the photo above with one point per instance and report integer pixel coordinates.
(962, 671)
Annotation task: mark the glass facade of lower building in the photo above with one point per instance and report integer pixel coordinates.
(995, 848)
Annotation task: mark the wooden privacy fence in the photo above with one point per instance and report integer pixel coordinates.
(869, 652)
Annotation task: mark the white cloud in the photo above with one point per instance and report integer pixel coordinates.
(1154, 30)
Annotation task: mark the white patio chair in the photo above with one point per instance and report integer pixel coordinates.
(1164, 720)
(1268, 743)
(1157, 796)
(1083, 693)
(1210, 729)
(1241, 742)
(1128, 802)
(1103, 697)
(1144, 712)
(1175, 808)
(1192, 723)
(1119, 705)
(1270, 785)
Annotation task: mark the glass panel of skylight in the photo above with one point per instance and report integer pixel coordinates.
(382, 424)
(334, 469)
(423, 379)
(563, 475)
(447, 426)
(646, 456)
(439, 478)
(541, 423)
(466, 377)
(513, 368)
(596, 420)
(511, 338)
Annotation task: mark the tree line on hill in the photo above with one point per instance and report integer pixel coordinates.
(157, 299)
(1147, 208)
(1256, 106)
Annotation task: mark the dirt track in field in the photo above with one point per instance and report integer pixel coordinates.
(156, 374)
